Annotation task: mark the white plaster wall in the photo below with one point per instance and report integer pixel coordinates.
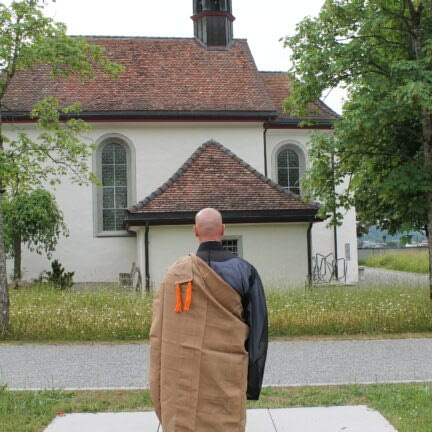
(323, 243)
(322, 235)
(160, 149)
(91, 258)
(278, 251)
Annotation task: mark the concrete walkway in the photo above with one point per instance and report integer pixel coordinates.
(332, 419)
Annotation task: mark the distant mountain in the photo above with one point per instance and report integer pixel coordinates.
(382, 236)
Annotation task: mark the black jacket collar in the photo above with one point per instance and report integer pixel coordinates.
(210, 245)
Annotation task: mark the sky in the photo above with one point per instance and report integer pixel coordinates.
(262, 23)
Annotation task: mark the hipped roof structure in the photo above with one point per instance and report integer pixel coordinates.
(215, 177)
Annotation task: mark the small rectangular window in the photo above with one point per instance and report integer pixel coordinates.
(233, 245)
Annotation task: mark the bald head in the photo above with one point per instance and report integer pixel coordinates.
(208, 225)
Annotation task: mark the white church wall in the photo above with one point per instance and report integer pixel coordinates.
(159, 150)
(322, 235)
(278, 251)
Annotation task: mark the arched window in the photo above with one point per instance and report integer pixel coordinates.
(114, 186)
(288, 170)
(114, 168)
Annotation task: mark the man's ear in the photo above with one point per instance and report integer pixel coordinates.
(195, 230)
(223, 230)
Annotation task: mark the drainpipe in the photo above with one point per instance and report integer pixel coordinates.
(146, 253)
(335, 240)
(335, 237)
(309, 252)
(265, 149)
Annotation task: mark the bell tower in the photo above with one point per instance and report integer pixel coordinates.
(213, 22)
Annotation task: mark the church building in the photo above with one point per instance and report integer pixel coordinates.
(190, 123)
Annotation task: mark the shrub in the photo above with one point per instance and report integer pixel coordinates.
(58, 277)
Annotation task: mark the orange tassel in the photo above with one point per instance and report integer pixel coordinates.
(178, 307)
(188, 296)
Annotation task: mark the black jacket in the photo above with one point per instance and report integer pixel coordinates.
(244, 278)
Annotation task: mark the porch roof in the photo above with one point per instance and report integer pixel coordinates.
(215, 177)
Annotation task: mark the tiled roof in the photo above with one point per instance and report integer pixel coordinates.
(162, 74)
(215, 177)
(278, 85)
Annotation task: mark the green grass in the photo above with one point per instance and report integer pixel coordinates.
(406, 406)
(409, 261)
(350, 311)
(45, 314)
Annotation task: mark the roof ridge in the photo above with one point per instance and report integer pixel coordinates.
(100, 36)
(188, 163)
(273, 72)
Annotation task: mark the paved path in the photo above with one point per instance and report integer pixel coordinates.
(376, 276)
(291, 363)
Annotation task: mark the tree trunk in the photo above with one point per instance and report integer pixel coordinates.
(429, 201)
(4, 289)
(426, 119)
(427, 147)
(17, 259)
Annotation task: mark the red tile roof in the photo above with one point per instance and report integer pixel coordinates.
(162, 74)
(215, 177)
(278, 85)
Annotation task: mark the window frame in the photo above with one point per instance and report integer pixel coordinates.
(300, 151)
(239, 240)
(98, 190)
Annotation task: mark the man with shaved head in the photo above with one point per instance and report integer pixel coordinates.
(209, 336)
(208, 225)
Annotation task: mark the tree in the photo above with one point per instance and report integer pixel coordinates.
(380, 154)
(32, 218)
(28, 39)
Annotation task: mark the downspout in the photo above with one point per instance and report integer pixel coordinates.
(146, 253)
(309, 252)
(335, 240)
(335, 237)
(265, 148)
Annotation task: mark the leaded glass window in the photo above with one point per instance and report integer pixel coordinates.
(231, 245)
(288, 169)
(114, 166)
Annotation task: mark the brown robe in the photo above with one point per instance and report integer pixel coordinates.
(198, 361)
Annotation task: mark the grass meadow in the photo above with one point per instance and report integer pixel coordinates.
(403, 260)
(42, 313)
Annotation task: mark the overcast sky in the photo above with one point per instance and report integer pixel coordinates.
(262, 23)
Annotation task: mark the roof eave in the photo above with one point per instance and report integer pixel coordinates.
(232, 217)
(155, 115)
(318, 123)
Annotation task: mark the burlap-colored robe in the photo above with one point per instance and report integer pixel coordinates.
(198, 361)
